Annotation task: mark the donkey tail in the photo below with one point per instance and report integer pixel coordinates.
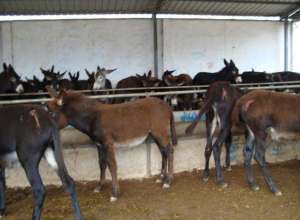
(66, 179)
(207, 105)
(173, 130)
(58, 152)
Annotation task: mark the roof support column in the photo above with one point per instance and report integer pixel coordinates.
(6, 43)
(155, 52)
(287, 44)
(158, 45)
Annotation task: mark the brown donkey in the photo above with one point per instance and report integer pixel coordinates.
(266, 114)
(126, 124)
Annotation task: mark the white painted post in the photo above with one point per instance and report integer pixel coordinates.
(7, 42)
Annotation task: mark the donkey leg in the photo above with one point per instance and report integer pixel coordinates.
(163, 171)
(38, 189)
(217, 151)
(69, 185)
(112, 165)
(67, 181)
(167, 151)
(170, 156)
(2, 191)
(102, 164)
(261, 160)
(228, 142)
(210, 123)
(248, 154)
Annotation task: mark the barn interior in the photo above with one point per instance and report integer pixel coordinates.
(134, 37)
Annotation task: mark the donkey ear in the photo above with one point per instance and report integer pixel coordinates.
(149, 74)
(87, 73)
(4, 67)
(70, 75)
(52, 92)
(52, 69)
(77, 75)
(232, 63)
(171, 71)
(43, 71)
(109, 71)
(226, 62)
(60, 76)
(11, 69)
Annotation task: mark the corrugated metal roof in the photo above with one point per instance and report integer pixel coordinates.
(211, 7)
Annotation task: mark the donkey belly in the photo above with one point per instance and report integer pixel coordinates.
(131, 142)
(279, 135)
(9, 160)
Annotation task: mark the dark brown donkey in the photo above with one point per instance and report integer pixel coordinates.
(266, 114)
(220, 99)
(28, 133)
(126, 124)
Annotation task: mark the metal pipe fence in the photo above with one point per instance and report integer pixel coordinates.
(149, 91)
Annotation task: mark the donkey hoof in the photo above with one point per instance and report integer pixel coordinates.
(223, 185)
(278, 193)
(229, 168)
(255, 187)
(205, 179)
(97, 189)
(158, 180)
(113, 199)
(166, 185)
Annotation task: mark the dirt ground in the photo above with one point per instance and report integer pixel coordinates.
(188, 198)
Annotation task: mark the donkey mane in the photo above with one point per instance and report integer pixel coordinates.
(81, 100)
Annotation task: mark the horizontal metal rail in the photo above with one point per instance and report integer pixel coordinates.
(145, 94)
(196, 87)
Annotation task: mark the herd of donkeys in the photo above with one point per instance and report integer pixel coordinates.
(31, 132)
(11, 81)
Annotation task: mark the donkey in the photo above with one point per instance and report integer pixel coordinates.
(52, 78)
(29, 134)
(220, 99)
(185, 101)
(100, 79)
(82, 84)
(112, 125)
(136, 81)
(229, 73)
(266, 114)
(10, 81)
(148, 80)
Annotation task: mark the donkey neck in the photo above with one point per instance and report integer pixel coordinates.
(225, 74)
(80, 118)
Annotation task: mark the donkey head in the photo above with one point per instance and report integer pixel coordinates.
(57, 102)
(74, 78)
(232, 71)
(91, 78)
(100, 77)
(148, 80)
(11, 80)
(52, 78)
(171, 80)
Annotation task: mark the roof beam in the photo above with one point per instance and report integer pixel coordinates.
(245, 2)
(159, 5)
(292, 13)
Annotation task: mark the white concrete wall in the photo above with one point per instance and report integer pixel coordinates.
(78, 44)
(200, 45)
(145, 160)
(296, 46)
(187, 45)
